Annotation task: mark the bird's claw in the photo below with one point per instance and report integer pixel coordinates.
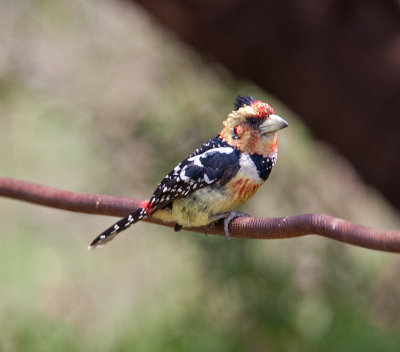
(229, 218)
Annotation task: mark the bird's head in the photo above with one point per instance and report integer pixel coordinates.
(252, 127)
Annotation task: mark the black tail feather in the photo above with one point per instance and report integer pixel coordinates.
(114, 230)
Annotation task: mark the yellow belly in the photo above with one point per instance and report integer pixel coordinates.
(199, 208)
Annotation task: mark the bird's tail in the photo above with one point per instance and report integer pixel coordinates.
(121, 225)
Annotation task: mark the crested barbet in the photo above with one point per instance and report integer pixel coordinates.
(218, 177)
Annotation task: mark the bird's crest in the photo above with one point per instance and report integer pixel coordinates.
(242, 101)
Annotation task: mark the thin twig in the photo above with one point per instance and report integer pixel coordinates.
(252, 228)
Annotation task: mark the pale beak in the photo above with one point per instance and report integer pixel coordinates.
(272, 124)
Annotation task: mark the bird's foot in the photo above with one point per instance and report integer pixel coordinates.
(228, 217)
(177, 227)
(231, 216)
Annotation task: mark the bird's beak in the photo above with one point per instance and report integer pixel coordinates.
(272, 124)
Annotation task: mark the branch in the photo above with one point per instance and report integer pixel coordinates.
(252, 228)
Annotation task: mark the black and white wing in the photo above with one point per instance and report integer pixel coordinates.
(213, 162)
(199, 170)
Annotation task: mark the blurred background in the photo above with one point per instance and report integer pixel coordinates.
(101, 97)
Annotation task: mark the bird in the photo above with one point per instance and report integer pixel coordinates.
(217, 177)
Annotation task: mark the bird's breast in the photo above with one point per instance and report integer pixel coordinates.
(240, 189)
(248, 179)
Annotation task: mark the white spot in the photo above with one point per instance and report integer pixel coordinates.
(196, 159)
(248, 168)
(183, 176)
(207, 179)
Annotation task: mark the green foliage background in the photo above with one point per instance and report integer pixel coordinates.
(95, 97)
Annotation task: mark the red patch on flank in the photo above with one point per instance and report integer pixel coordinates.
(244, 189)
(146, 205)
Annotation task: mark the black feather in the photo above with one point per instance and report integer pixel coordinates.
(214, 167)
(242, 101)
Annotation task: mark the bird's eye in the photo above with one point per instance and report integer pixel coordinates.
(252, 121)
(235, 133)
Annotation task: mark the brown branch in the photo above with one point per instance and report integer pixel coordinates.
(254, 228)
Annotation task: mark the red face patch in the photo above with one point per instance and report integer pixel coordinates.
(262, 109)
